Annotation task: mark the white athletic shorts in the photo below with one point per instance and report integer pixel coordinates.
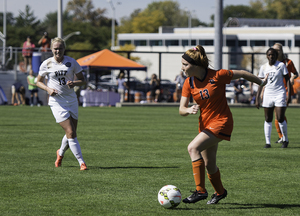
(274, 101)
(62, 113)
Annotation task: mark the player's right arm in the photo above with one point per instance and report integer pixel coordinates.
(184, 110)
(40, 83)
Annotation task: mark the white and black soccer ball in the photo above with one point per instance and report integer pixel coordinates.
(169, 196)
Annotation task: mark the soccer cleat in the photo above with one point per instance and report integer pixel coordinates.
(280, 140)
(284, 144)
(216, 198)
(267, 146)
(195, 197)
(83, 166)
(58, 159)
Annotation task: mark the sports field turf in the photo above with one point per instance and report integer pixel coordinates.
(131, 152)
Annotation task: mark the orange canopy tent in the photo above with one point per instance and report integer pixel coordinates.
(109, 60)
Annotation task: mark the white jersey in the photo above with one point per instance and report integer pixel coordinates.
(58, 74)
(276, 73)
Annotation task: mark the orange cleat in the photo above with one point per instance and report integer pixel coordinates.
(83, 166)
(58, 159)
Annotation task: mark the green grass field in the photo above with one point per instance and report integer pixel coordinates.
(131, 152)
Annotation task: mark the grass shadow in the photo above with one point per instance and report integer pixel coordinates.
(128, 167)
(135, 167)
(242, 206)
(256, 206)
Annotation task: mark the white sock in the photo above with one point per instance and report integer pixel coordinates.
(283, 129)
(64, 146)
(268, 130)
(76, 150)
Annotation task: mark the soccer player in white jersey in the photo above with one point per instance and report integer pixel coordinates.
(60, 71)
(274, 96)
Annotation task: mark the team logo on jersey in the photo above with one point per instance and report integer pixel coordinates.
(61, 73)
(68, 64)
(271, 77)
(212, 81)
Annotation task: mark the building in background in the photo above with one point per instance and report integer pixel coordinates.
(240, 35)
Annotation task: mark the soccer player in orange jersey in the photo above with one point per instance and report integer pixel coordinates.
(207, 87)
(293, 74)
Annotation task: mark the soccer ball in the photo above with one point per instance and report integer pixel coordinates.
(169, 196)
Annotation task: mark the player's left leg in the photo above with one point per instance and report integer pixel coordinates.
(280, 111)
(280, 140)
(214, 174)
(70, 126)
(201, 142)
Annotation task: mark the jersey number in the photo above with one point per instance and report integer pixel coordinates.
(62, 81)
(204, 94)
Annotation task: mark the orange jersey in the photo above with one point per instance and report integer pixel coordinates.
(296, 86)
(209, 94)
(291, 69)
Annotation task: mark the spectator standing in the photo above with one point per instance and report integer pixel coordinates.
(27, 51)
(121, 86)
(61, 71)
(45, 42)
(33, 89)
(179, 83)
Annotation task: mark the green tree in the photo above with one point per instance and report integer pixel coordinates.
(264, 9)
(240, 11)
(83, 10)
(98, 36)
(175, 16)
(171, 11)
(26, 18)
(259, 7)
(10, 20)
(85, 45)
(26, 24)
(126, 22)
(49, 24)
(283, 9)
(148, 21)
(163, 13)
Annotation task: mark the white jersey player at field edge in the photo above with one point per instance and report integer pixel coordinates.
(60, 71)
